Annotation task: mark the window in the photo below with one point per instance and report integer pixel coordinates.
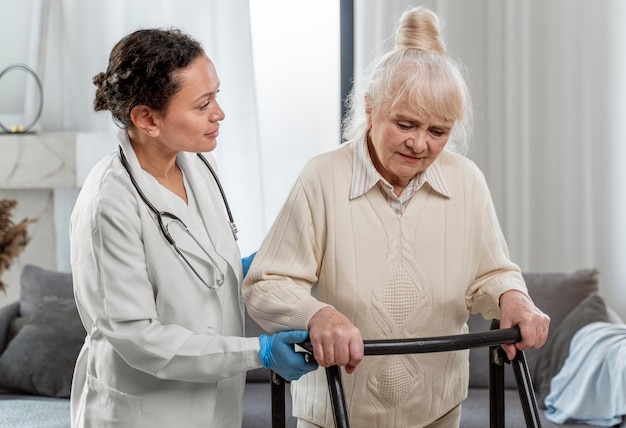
(296, 52)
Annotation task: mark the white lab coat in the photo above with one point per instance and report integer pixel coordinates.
(162, 350)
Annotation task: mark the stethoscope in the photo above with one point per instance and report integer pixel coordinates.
(219, 280)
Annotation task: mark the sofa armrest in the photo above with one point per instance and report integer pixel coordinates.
(7, 313)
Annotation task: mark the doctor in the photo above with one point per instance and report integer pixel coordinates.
(156, 266)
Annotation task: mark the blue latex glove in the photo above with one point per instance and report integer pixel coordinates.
(277, 353)
(246, 262)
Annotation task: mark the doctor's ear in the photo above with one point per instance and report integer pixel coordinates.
(143, 118)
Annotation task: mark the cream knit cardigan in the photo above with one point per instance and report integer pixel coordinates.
(418, 274)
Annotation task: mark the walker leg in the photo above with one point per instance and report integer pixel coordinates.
(337, 398)
(496, 387)
(497, 357)
(525, 390)
(278, 401)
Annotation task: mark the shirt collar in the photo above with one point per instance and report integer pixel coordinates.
(365, 176)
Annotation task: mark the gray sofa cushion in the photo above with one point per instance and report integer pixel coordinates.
(7, 314)
(37, 283)
(556, 294)
(40, 359)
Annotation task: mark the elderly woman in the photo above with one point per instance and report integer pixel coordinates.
(391, 236)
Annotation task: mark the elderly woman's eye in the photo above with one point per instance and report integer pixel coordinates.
(404, 125)
(436, 132)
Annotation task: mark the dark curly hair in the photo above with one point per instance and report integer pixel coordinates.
(143, 70)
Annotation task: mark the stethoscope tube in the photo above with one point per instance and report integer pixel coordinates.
(152, 208)
(164, 230)
(233, 226)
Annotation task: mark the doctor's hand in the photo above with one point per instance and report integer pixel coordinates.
(278, 354)
(335, 340)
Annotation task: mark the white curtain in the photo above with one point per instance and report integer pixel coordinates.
(81, 36)
(547, 77)
(548, 80)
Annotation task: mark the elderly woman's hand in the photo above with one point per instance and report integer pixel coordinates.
(335, 340)
(517, 309)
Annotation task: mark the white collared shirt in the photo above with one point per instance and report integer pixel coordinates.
(365, 176)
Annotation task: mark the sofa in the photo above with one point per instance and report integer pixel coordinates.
(40, 336)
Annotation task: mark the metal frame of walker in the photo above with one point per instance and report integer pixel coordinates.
(497, 357)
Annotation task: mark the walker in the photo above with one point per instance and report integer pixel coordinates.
(497, 357)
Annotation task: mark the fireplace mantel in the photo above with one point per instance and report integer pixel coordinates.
(50, 160)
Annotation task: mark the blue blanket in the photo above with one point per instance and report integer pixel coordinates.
(591, 386)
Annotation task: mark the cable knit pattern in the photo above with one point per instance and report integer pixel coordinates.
(400, 297)
(396, 382)
(394, 276)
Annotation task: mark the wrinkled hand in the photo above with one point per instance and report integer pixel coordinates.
(278, 354)
(516, 309)
(335, 340)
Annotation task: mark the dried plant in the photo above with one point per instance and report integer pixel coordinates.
(13, 237)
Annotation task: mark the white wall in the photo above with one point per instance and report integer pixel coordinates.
(18, 24)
